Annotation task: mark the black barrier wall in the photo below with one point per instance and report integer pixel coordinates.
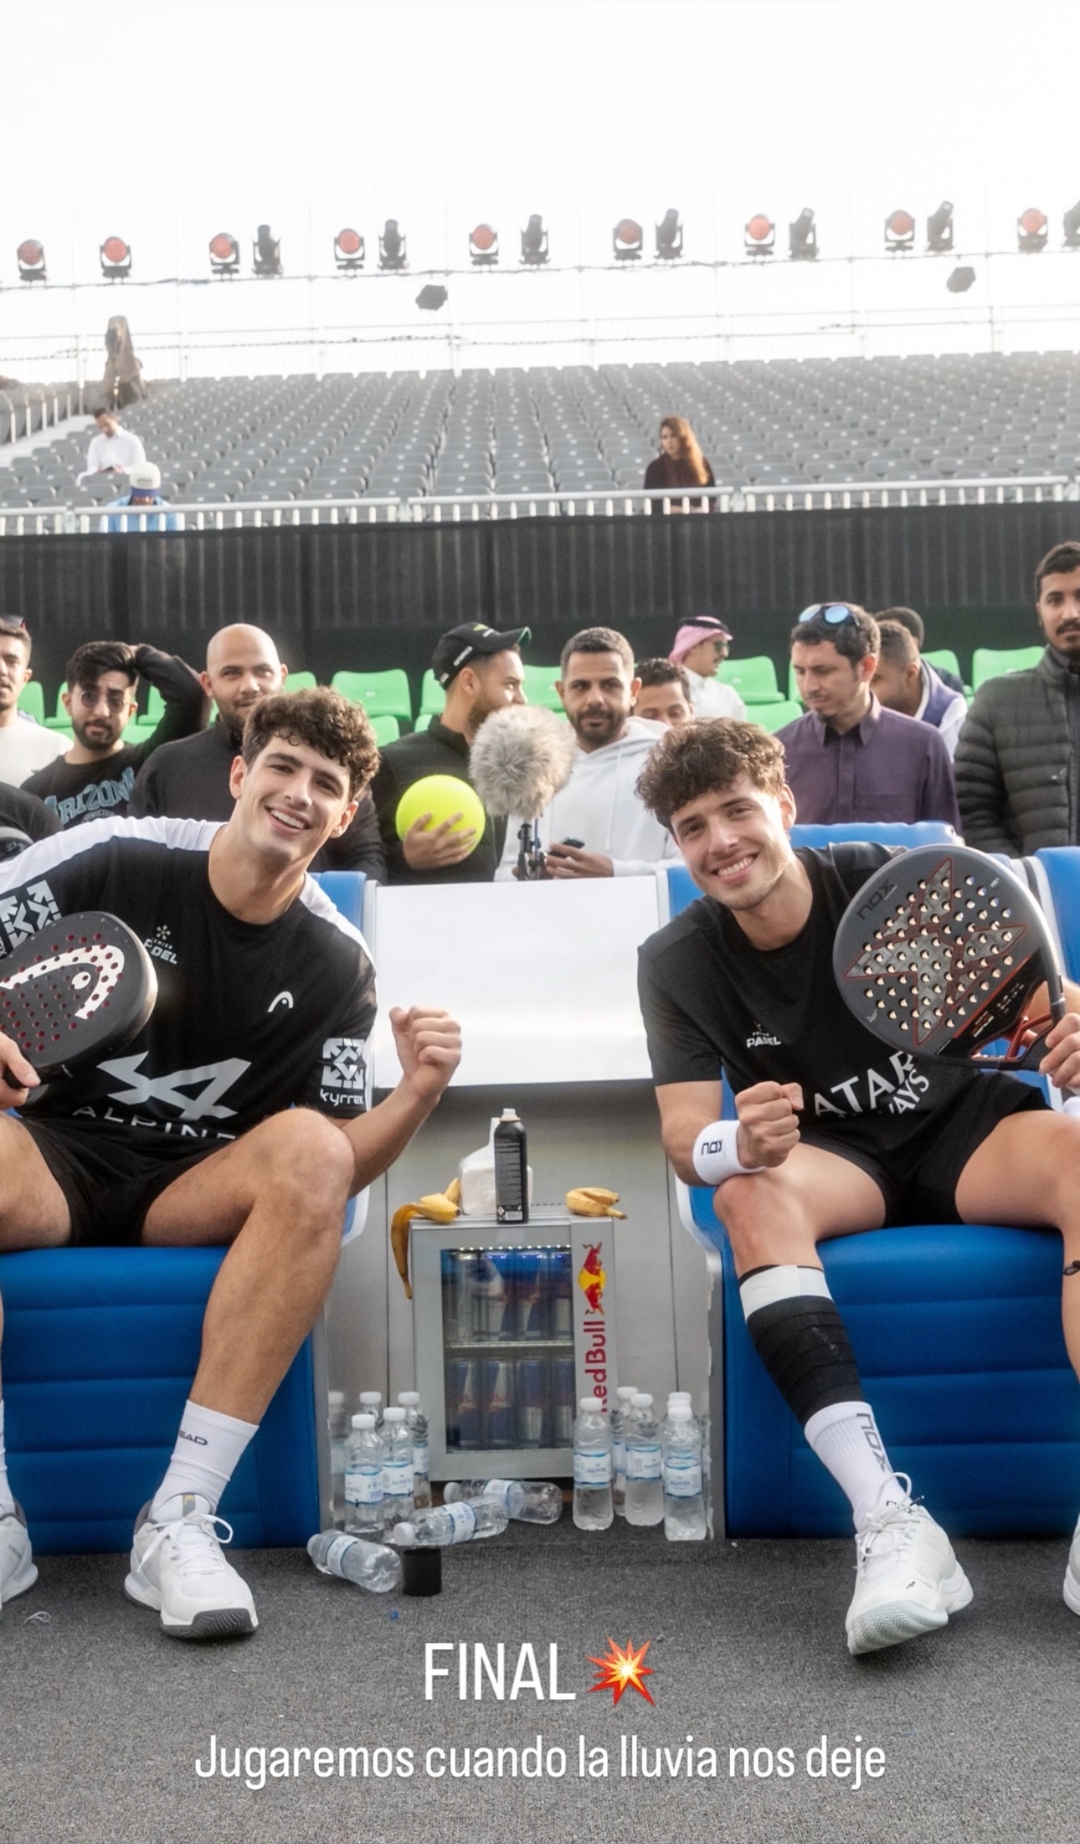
(376, 595)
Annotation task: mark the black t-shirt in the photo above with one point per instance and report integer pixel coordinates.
(249, 1019)
(27, 813)
(434, 751)
(710, 1000)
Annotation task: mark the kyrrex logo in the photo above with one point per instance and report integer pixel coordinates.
(216, 1078)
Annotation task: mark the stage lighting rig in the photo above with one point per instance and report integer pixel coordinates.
(627, 241)
(30, 257)
(534, 242)
(960, 281)
(483, 246)
(349, 251)
(802, 238)
(669, 237)
(1031, 230)
(431, 297)
(224, 254)
(266, 252)
(1070, 224)
(939, 228)
(115, 257)
(392, 251)
(899, 231)
(759, 235)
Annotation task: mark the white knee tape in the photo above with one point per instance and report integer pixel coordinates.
(716, 1153)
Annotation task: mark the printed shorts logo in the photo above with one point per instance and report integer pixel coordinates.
(23, 915)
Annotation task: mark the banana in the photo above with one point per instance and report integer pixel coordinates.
(593, 1201)
(453, 1191)
(436, 1207)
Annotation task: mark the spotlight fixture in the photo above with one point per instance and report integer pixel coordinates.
(899, 231)
(759, 235)
(484, 246)
(392, 252)
(431, 297)
(30, 257)
(349, 251)
(266, 252)
(224, 254)
(960, 281)
(802, 238)
(115, 257)
(1031, 230)
(627, 241)
(939, 227)
(534, 242)
(1070, 224)
(669, 237)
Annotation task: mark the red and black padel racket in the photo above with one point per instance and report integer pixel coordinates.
(942, 953)
(79, 988)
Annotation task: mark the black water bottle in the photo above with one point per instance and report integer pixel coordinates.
(511, 1170)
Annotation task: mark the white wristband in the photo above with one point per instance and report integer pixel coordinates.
(716, 1153)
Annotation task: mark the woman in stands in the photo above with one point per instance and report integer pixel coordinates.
(680, 464)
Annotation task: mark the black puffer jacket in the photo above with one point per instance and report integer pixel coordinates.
(1017, 771)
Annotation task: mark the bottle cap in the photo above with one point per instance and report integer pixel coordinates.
(591, 1405)
(336, 1398)
(363, 1421)
(509, 1114)
(642, 1401)
(626, 1392)
(680, 1411)
(394, 1416)
(421, 1571)
(409, 1398)
(679, 1395)
(371, 1395)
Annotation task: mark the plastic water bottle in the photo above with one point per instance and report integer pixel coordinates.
(592, 1467)
(364, 1457)
(644, 1465)
(369, 1565)
(371, 1404)
(417, 1421)
(461, 1523)
(684, 1505)
(704, 1424)
(397, 1477)
(338, 1424)
(526, 1501)
(624, 1396)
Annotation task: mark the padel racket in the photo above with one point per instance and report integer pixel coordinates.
(79, 988)
(942, 953)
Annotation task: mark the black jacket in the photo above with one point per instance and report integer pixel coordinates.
(434, 751)
(190, 781)
(1017, 771)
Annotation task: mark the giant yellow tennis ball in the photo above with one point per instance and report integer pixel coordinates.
(441, 796)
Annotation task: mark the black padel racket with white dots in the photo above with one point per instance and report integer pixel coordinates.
(79, 988)
(942, 953)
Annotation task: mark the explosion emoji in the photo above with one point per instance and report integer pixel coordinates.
(623, 1670)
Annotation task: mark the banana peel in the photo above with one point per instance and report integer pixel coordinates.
(437, 1207)
(593, 1201)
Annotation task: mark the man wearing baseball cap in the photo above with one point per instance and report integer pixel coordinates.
(480, 670)
(700, 645)
(144, 481)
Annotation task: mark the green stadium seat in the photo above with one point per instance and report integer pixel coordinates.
(944, 657)
(988, 663)
(154, 712)
(754, 678)
(539, 686)
(300, 681)
(382, 694)
(32, 700)
(387, 730)
(792, 688)
(432, 696)
(60, 719)
(773, 717)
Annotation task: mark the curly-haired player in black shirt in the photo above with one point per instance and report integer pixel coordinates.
(237, 1115)
(835, 1133)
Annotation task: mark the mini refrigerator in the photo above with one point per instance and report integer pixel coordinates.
(512, 1326)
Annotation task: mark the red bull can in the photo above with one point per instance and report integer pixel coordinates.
(560, 1296)
(497, 1382)
(563, 1401)
(532, 1402)
(464, 1406)
(492, 1315)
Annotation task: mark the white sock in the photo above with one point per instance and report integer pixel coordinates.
(846, 1439)
(7, 1502)
(207, 1449)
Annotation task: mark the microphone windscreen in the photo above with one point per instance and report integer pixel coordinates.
(519, 760)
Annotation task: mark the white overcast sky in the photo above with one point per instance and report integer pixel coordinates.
(166, 122)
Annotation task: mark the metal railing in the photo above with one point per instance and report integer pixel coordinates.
(605, 502)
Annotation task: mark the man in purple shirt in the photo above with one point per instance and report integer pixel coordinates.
(849, 759)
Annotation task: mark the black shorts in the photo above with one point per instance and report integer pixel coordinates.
(918, 1180)
(109, 1182)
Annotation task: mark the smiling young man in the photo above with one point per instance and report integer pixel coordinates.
(238, 1114)
(24, 744)
(834, 1133)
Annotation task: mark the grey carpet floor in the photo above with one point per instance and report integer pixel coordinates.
(102, 1719)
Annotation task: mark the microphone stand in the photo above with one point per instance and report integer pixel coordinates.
(532, 863)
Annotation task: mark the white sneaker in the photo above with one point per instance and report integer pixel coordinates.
(1072, 1575)
(17, 1569)
(907, 1581)
(177, 1567)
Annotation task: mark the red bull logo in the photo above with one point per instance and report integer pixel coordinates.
(592, 1279)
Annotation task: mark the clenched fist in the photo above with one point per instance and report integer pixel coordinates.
(768, 1127)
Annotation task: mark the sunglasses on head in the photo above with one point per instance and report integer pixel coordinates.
(835, 613)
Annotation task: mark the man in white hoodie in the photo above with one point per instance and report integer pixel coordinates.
(596, 826)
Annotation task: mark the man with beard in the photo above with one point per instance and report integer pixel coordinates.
(597, 826)
(190, 780)
(480, 671)
(1018, 758)
(94, 779)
